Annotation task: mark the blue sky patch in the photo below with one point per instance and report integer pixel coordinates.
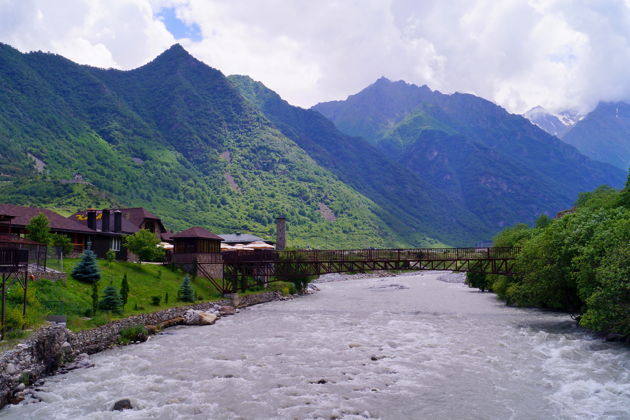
(176, 27)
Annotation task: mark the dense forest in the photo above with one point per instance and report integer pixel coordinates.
(579, 263)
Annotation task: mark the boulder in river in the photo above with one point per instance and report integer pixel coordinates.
(206, 318)
(227, 310)
(121, 405)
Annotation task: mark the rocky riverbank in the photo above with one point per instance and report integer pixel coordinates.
(54, 348)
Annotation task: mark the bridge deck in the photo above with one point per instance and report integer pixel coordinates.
(242, 267)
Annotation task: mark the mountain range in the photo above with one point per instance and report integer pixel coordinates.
(603, 134)
(198, 148)
(496, 164)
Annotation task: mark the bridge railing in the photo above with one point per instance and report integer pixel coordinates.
(270, 256)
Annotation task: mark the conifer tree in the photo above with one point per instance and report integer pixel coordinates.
(87, 270)
(111, 300)
(124, 290)
(94, 297)
(624, 199)
(186, 292)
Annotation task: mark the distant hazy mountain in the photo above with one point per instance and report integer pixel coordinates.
(604, 134)
(555, 124)
(498, 165)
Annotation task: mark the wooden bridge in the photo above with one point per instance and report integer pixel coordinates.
(243, 269)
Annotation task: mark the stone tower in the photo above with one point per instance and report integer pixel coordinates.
(281, 233)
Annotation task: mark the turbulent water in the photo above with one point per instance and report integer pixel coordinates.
(409, 347)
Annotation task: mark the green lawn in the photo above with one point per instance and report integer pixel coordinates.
(73, 299)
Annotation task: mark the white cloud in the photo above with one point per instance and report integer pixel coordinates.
(519, 53)
(105, 33)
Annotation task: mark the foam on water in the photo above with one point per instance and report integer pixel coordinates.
(403, 347)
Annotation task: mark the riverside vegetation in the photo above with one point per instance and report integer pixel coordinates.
(579, 263)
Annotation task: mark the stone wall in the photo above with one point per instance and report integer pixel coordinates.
(51, 347)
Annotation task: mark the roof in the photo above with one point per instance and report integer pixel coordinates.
(197, 232)
(136, 215)
(240, 238)
(11, 239)
(126, 225)
(56, 221)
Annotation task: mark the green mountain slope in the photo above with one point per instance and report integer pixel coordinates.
(604, 134)
(415, 209)
(175, 137)
(497, 165)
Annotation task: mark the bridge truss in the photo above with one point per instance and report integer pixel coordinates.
(243, 269)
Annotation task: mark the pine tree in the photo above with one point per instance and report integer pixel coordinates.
(111, 300)
(124, 290)
(87, 270)
(624, 199)
(186, 292)
(94, 297)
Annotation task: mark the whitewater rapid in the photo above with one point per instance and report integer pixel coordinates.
(407, 347)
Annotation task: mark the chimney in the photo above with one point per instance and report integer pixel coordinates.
(105, 220)
(281, 233)
(91, 219)
(117, 221)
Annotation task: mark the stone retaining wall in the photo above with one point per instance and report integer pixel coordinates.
(51, 347)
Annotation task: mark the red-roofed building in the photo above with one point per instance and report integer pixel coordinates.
(197, 245)
(121, 222)
(17, 217)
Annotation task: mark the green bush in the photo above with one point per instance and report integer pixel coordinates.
(134, 333)
(478, 280)
(155, 300)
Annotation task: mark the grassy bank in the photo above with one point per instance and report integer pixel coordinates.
(148, 283)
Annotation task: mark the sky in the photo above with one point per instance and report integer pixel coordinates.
(560, 54)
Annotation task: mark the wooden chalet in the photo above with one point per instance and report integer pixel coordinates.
(196, 245)
(111, 225)
(13, 221)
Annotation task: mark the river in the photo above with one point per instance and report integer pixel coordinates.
(406, 347)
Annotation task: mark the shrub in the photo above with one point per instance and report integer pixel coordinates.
(155, 300)
(478, 280)
(145, 245)
(133, 333)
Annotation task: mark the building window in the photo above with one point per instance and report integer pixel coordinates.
(115, 244)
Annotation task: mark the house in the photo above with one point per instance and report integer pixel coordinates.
(113, 224)
(198, 245)
(15, 218)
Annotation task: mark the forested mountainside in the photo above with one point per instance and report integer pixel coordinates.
(604, 134)
(406, 201)
(495, 164)
(175, 136)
